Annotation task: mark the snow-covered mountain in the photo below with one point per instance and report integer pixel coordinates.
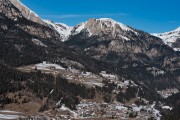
(97, 27)
(94, 27)
(128, 48)
(103, 26)
(104, 39)
(63, 29)
(26, 12)
(136, 65)
(171, 38)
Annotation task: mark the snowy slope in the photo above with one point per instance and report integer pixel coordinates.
(110, 22)
(104, 26)
(78, 28)
(170, 38)
(61, 28)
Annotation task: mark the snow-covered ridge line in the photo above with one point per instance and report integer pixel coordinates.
(123, 26)
(170, 38)
(63, 29)
(82, 25)
(166, 33)
(93, 27)
(20, 3)
(103, 26)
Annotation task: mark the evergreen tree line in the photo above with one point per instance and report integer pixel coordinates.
(41, 85)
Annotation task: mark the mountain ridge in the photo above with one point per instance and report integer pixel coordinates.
(27, 12)
(171, 38)
(63, 29)
(99, 60)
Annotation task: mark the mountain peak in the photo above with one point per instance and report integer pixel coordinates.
(26, 12)
(108, 22)
(106, 19)
(63, 29)
(102, 19)
(103, 26)
(171, 38)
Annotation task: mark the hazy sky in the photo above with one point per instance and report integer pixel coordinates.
(148, 15)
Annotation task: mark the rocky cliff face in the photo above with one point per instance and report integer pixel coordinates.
(21, 21)
(17, 35)
(106, 39)
(9, 10)
(104, 26)
(26, 12)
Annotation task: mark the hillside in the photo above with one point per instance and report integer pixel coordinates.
(99, 69)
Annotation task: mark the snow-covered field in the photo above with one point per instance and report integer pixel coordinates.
(10, 115)
(64, 108)
(108, 76)
(48, 66)
(7, 111)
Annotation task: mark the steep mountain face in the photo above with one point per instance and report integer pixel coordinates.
(25, 42)
(63, 30)
(9, 11)
(26, 12)
(171, 38)
(18, 36)
(108, 40)
(134, 53)
(104, 26)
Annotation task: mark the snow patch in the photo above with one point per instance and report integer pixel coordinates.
(125, 38)
(64, 108)
(8, 111)
(123, 27)
(38, 43)
(167, 107)
(176, 49)
(121, 108)
(52, 91)
(110, 76)
(79, 28)
(48, 66)
(9, 117)
(63, 30)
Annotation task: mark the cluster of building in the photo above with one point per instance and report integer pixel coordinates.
(115, 111)
(168, 92)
